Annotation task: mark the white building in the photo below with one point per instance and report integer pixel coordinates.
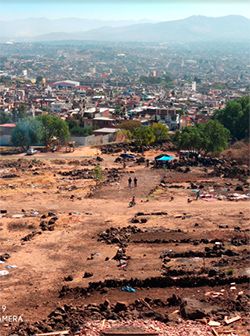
(194, 86)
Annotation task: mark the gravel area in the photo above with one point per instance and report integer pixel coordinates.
(94, 328)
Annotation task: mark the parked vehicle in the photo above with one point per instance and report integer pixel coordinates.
(127, 156)
(31, 151)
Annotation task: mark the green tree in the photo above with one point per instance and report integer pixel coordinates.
(54, 126)
(144, 135)
(129, 125)
(27, 132)
(123, 136)
(160, 132)
(235, 117)
(72, 123)
(189, 138)
(5, 118)
(215, 136)
(210, 137)
(81, 131)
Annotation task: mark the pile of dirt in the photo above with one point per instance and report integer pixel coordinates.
(239, 152)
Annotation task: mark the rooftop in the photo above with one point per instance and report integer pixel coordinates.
(106, 130)
(8, 125)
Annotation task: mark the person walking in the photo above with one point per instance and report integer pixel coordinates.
(198, 192)
(129, 182)
(135, 182)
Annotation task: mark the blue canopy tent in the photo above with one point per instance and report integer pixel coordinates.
(163, 159)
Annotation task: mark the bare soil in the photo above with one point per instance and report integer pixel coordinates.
(175, 240)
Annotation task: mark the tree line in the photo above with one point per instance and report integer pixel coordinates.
(230, 123)
(39, 130)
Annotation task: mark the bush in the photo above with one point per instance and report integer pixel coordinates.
(81, 131)
(98, 173)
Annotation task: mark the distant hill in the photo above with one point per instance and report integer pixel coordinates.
(28, 28)
(193, 29)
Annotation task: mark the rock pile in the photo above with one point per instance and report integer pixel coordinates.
(10, 175)
(49, 224)
(186, 281)
(230, 170)
(121, 147)
(78, 174)
(112, 175)
(4, 257)
(22, 164)
(80, 319)
(209, 252)
(30, 236)
(74, 318)
(119, 236)
(121, 257)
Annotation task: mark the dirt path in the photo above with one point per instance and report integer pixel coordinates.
(147, 180)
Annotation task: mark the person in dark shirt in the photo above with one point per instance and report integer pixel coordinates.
(135, 182)
(129, 181)
(198, 192)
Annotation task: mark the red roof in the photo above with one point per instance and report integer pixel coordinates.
(81, 87)
(8, 125)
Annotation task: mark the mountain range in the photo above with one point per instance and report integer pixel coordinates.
(193, 29)
(31, 27)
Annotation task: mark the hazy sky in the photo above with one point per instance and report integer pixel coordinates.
(155, 10)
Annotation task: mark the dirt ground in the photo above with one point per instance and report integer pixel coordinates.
(171, 227)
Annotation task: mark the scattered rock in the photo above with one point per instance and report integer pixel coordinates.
(87, 275)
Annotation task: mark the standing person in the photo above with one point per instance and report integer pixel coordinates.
(129, 181)
(124, 164)
(133, 200)
(198, 194)
(135, 182)
(147, 162)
